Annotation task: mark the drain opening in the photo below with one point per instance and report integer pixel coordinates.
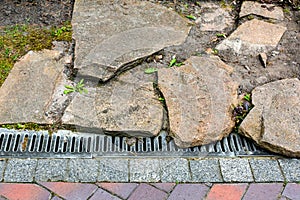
(68, 144)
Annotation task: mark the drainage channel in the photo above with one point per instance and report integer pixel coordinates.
(67, 144)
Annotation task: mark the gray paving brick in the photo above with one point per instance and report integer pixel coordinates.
(175, 170)
(2, 166)
(266, 170)
(144, 170)
(236, 170)
(207, 170)
(113, 170)
(102, 194)
(83, 170)
(51, 170)
(147, 192)
(290, 169)
(20, 170)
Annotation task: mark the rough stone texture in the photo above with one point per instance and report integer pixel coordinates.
(290, 169)
(207, 170)
(214, 18)
(27, 91)
(266, 170)
(113, 170)
(236, 170)
(110, 36)
(144, 170)
(127, 105)
(252, 37)
(264, 10)
(266, 191)
(2, 166)
(273, 123)
(51, 169)
(20, 170)
(192, 93)
(174, 170)
(83, 170)
(189, 192)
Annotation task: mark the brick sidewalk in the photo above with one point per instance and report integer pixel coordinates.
(143, 191)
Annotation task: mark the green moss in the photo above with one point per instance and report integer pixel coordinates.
(16, 41)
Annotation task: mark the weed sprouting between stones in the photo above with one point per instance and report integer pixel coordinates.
(241, 111)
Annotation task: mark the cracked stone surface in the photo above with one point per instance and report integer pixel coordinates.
(111, 36)
(253, 37)
(27, 92)
(273, 123)
(127, 105)
(264, 10)
(192, 93)
(214, 17)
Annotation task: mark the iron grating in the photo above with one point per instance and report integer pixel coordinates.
(67, 144)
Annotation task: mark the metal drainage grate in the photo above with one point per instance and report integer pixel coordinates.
(67, 144)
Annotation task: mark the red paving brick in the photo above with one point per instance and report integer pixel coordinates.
(189, 192)
(120, 189)
(14, 191)
(292, 191)
(102, 194)
(71, 191)
(167, 187)
(226, 192)
(147, 192)
(265, 191)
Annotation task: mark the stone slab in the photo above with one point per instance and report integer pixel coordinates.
(174, 170)
(83, 170)
(207, 170)
(290, 169)
(127, 105)
(192, 93)
(144, 170)
(266, 170)
(2, 167)
(110, 36)
(51, 170)
(113, 170)
(20, 170)
(236, 170)
(273, 123)
(264, 10)
(27, 91)
(252, 37)
(214, 18)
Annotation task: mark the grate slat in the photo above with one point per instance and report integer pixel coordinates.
(69, 144)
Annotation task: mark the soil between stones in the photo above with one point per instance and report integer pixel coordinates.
(283, 61)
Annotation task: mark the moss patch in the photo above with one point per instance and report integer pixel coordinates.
(16, 41)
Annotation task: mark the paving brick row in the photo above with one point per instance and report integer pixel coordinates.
(152, 170)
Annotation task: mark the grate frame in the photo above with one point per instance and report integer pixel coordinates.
(68, 144)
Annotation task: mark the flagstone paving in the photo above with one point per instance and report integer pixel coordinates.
(133, 56)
